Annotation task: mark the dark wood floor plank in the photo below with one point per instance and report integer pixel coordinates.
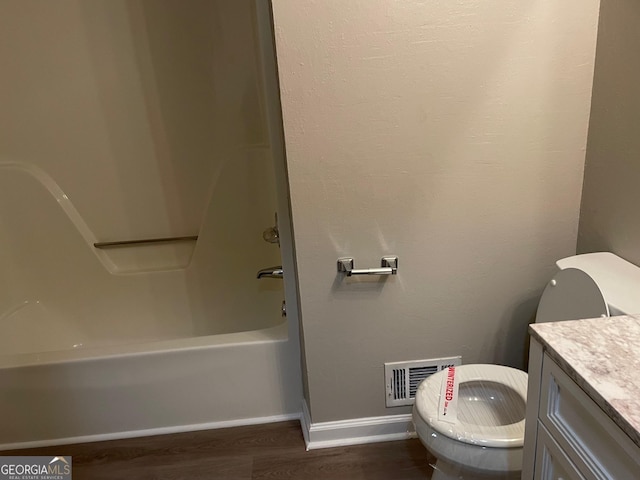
(391, 460)
(218, 468)
(257, 452)
(329, 465)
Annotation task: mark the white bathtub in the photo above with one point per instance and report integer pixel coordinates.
(145, 389)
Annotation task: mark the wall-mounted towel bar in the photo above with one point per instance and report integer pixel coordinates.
(388, 266)
(145, 241)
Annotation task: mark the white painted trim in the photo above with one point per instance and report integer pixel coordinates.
(305, 422)
(355, 431)
(152, 431)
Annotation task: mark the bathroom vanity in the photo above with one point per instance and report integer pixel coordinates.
(583, 404)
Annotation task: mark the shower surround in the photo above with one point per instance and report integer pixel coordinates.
(125, 121)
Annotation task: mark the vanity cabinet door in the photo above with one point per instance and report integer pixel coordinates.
(551, 462)
(598, 447)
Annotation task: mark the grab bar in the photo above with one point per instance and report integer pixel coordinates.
(144, 241)
(388, 266)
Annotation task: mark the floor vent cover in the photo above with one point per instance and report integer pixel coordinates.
(402, 378)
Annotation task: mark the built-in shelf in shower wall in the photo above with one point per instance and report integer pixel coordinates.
(148, 258)
(128, 258)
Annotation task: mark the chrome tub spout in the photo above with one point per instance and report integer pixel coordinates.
(271, 272)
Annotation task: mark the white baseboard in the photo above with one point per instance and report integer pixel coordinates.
(355, 431)
(316, 435)
(152, 431)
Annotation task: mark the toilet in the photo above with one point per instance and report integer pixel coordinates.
(471, 417)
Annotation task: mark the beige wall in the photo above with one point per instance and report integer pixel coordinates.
(609, 217)
(449, 133)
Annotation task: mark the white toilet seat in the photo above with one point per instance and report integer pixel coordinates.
(482, 431)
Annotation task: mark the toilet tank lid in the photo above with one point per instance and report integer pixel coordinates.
(619, 280)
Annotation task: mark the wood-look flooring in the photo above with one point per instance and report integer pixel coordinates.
(272, 451)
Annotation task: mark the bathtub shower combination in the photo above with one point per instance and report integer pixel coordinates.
(129, 242)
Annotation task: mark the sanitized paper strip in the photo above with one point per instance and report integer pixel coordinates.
(448, 406)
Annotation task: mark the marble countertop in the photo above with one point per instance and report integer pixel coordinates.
(602, 355)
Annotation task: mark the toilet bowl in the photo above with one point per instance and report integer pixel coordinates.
(485, 438)
(471, 417)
